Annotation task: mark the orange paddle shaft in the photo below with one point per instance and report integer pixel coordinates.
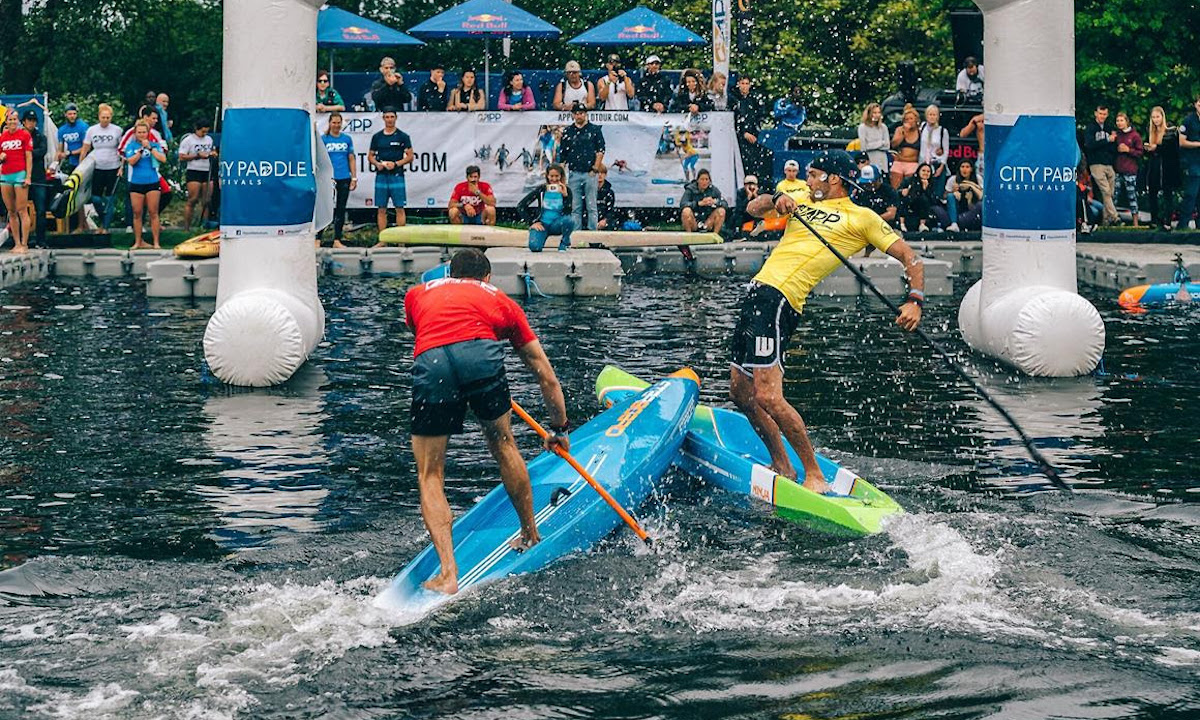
(633, 524)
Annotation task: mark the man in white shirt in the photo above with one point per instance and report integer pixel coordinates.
(615, 87)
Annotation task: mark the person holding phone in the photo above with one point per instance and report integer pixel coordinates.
(553, 213)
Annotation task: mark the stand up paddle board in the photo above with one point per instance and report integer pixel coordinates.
(626, 448)
(723, 449)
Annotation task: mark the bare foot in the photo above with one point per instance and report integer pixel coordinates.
(785, 469)
(817, 484)
(526, 541)
(20, 250)
(443, 583)
(378, 245)
(338, 244)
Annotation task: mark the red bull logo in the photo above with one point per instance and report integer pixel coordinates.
(639, 32)
(485, 21)
(353, 32)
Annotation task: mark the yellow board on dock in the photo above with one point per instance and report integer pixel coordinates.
(200, 247)
(487, 236)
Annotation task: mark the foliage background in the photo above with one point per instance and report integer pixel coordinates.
(841, 53)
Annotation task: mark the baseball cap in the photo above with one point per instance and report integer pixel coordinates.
(792, 164)
(28, 115)
(572, 66)
(836, 162)
(70, 107)
(868, 173)
(579, 107)
(653, 59)
(750, 179)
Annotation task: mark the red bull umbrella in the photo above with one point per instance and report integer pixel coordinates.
(639, 26)
(485, 19)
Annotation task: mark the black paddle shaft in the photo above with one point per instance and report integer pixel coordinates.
(1043, 464)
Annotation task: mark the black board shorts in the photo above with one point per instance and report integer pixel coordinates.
(448, 379)
(764, 329)
(197, 176)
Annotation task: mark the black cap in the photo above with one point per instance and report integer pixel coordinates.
(578, 107)
(836, 162)
(28, 115)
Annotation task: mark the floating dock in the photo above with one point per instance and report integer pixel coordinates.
(594, 272)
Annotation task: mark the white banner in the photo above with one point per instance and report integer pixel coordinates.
(720, 37)
(649, 156)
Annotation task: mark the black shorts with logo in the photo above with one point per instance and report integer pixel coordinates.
(765, 326)
(447, 379)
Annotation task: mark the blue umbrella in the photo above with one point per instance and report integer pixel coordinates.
(340, 28)
(486, 19)
(639, 26)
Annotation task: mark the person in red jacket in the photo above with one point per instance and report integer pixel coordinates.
(461, 323)
(16, 175)
(1129, 156)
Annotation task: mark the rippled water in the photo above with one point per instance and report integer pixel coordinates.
(178, 549)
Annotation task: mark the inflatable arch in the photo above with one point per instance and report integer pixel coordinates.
(1026, 311)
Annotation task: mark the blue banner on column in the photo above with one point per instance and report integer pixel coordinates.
(1029, 175)
(267, 182)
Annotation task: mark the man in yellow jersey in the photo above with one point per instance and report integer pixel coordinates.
(771, 312)
(791, 181)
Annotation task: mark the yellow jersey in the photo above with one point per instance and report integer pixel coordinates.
(800, 261)
(793, 186)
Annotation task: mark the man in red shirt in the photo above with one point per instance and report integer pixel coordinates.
(472, 201)
(460, 323)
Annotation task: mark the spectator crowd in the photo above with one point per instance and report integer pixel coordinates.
(908, 173)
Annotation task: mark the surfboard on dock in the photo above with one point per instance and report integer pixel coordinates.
(486, 236)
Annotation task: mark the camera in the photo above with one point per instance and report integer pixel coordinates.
(554, 187)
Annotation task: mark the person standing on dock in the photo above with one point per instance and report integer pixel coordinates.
(391, 152)
(771, 312)
(460, 323)
(1189, 163)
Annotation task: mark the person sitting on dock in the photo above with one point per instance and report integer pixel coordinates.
(460, 324)
(606, 202)
(553, 213)
(473, 202)
(703, 207)
(770, 313)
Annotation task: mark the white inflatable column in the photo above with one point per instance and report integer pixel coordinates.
(1025, 311)
(268, 316)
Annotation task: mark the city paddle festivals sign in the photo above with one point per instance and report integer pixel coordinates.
(268, 181)
(649, 157)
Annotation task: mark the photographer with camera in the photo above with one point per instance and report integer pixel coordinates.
(615, 86)
(389, 89)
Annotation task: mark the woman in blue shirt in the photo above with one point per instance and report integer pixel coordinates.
(142, 157)
(345, 175)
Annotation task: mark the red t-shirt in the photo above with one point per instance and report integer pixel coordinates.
(450, 310)
(13, 145)
(463, 194)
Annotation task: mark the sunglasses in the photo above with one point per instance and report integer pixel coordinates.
(323, 81)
